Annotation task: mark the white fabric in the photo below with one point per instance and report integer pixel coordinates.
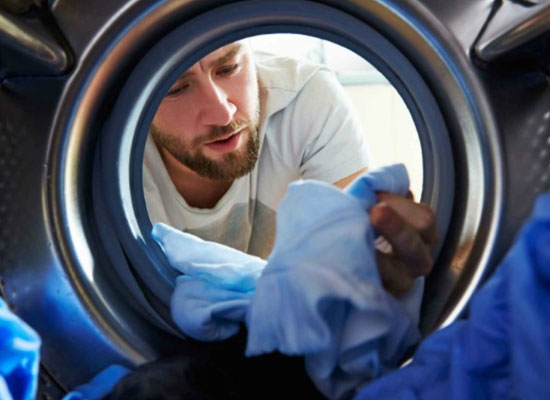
(307, 130)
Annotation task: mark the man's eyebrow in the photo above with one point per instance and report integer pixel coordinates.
(227, 56)
(236, 49)
(185, 75)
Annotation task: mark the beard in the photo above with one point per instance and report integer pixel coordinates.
(230, 166)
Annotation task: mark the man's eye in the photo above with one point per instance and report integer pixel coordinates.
(177, 90)
(229, 69)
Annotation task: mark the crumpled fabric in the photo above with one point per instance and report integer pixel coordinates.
(502, 351)
(211, 298)
(19, 357)
(100, 385)
(319, 295)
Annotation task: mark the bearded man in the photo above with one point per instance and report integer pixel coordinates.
(237, 127)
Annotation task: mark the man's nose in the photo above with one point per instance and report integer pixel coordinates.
(217, 109)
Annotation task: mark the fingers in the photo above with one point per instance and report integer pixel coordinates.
(410, 229)
(411, 253)
(394, 275)
(418, 215)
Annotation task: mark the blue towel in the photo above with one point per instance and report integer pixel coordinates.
(19, 357)
(503, 350)
(211, 298)
(319, 294)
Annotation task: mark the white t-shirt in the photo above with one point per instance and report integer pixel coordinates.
(307, 130)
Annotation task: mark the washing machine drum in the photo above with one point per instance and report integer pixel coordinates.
(80, 83)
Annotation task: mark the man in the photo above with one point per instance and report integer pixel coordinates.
(235, 130)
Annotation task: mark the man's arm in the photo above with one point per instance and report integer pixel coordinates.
(334, 147)
(410, 229)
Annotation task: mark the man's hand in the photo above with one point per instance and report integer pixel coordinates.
(410, 229)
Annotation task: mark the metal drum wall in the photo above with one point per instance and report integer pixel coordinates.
(76, 259)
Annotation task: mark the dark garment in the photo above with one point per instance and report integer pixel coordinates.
(218, 372)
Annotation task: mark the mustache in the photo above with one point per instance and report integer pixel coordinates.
(219, 132)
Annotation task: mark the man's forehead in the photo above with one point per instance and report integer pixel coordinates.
(223, 51)
(218, 56)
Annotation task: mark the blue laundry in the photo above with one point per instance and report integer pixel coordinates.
(19, 357)
(322, 284)
(220, 265)
(210, 300)
(319, 295)
(100, 385)
(502, 351)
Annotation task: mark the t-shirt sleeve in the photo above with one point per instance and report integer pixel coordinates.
(334, 145)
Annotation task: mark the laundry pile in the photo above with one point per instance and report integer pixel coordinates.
(318, 295)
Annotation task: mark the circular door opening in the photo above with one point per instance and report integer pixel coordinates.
(129, 124)
(104, 123)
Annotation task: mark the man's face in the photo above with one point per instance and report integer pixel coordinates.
(209, 118)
